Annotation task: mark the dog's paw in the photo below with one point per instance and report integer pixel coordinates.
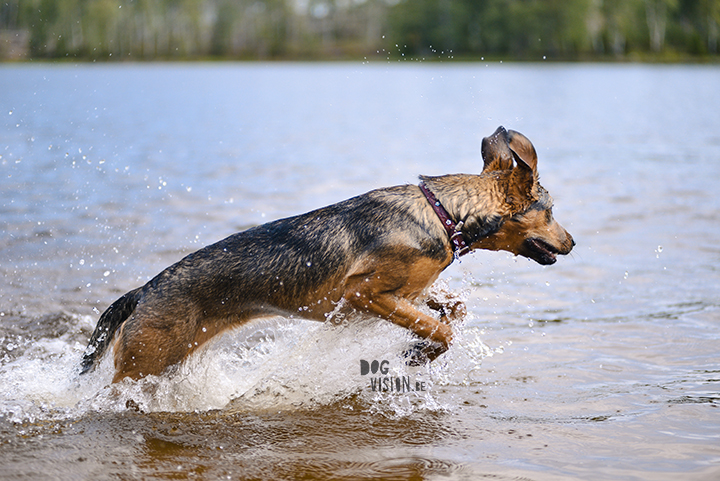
(414, 355)
(450, 311)
(453, 311)
(448, 304)
(423, 352)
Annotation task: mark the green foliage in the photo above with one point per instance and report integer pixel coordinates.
(522, 29)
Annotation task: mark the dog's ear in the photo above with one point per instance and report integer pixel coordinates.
(522, 148)
(496, 152)
(524, 176)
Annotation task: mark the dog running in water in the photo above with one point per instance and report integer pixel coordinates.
(377, 254)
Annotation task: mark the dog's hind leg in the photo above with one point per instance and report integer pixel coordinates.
(149, 343)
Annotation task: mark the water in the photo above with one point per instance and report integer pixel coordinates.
(603, 366)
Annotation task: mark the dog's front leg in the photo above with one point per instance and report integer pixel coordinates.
(438, 335)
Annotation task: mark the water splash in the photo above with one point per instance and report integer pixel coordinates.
(273, 364)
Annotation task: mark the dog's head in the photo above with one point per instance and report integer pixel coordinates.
(528, 227)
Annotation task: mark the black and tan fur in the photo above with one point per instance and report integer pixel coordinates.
(376, 253)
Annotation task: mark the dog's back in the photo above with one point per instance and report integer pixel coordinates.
(287, 263)
(293, 266)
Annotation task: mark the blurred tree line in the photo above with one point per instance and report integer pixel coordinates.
(298, 29)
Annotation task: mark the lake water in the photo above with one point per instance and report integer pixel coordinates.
(603, 366)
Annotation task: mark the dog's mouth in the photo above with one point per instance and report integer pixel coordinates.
(540, 251)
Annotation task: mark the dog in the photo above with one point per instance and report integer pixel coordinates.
(375, 254)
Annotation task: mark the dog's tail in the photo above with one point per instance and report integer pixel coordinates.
(107, 325)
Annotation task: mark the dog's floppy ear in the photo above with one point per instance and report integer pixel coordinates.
(496, 153)
(524, 175)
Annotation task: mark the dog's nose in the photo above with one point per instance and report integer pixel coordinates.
(573, 242)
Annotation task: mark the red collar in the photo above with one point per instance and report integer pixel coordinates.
(457, 241)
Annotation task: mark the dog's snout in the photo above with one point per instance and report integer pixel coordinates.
(570, 243)
(566, 242)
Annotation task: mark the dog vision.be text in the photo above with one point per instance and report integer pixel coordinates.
(384, 383)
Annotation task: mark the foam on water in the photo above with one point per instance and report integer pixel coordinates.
(272, 364)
